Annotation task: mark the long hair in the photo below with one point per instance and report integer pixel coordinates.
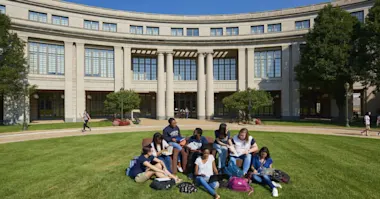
(266, 150)
(223, 130)
(157, 136)
(245, 130)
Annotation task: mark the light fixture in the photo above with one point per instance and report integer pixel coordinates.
(89, 97)
(36, 96)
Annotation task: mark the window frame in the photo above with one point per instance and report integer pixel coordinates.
(109, 26)
(216, 31)
(152, 28)
(136, 29)
(47, 57)
(39, 14)
(3, 9)
(229, 66)
(60, 20)
(183, 73)
(265, 63)
(106, 61)
(354, 14)
(257, 26)
(273, 25)
(302, 22)
(176, 32)
(150, 75)
(231, 30)
(91, 24)
(192, 30)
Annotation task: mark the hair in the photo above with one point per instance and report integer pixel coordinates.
(205, 147)
(146, 149)
(367, 113)
(266, 150)
(155, 137)
(223, 129)
(199, 131)
(245, 130)
(170, 120)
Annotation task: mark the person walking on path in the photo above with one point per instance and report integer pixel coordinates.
(367, 122)
(86, 118)
(187, 113)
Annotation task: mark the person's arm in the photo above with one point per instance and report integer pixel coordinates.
(219, 142)
(270, 166)
(179, 132)
(161, 162)
(214, 168)
(152, 167)
(166, 136)
(254, 148)
(196, 170)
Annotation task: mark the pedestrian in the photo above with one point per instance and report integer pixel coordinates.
(86, 119)
(187, 113)
(367, 122)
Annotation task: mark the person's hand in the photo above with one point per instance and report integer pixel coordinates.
(246, 152)
(255, 172)
(203, 175)
(159, 153)
(174, 140)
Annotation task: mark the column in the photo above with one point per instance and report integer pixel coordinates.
(81, 93)
(285, 86)
(169, 86)
(201, 88)
(160, 88)
(209, 87)
(69, 109)
(118, 68)
(294, 92)
(242, 70)
(250, 68)
(127, 69)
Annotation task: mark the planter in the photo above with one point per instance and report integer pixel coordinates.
(124, 123)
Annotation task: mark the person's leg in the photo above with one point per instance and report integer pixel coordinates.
(143, 177)
(167, 160)
(246, 162)
(257, 179)
(233, 159)
(84, 126)
(268, 181)
(202, 182)
(223, 156)
(218, 149)
(175, 145)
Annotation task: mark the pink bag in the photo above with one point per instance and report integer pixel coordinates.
(240, 184)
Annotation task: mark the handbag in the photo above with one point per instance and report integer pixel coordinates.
(158, 184)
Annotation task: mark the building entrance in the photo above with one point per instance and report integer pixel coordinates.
(183, 101)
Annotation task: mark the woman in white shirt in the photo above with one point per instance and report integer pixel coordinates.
(204, 168)
(367, 123)
(158, 146)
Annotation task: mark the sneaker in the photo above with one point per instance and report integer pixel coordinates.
(275, 192)
(180, 169)
(378, 133)
(277, 185)
(90, 129)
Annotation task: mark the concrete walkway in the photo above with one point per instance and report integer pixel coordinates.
(154, 125)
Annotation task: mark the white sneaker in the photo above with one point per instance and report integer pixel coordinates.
(180, 169)
(277, 185)
(275, 192)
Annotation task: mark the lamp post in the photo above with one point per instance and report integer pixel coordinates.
(347, 87)
(122, 103)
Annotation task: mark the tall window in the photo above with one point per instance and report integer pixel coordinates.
(225, 69)
(268, 64)
(185, 69)
(152, 31)
(144, 68)
(99, 62)
(216, 31)
(192, 32)
(46, 58)
(177, 31)
(257, 29)
(38, 16)
(92, 25)
(274, 27)
(2, 9)
(232, 31)
(136, 30)
(359, 15)
(59, 20)
(302, 24)
(109, 27)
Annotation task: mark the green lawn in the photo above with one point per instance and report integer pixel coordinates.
(316, 123)
(92, 166)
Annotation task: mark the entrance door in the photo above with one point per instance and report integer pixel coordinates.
(183, 101)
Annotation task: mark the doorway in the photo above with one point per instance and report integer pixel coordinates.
(183, 101)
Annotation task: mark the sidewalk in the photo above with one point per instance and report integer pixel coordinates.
(155, 125)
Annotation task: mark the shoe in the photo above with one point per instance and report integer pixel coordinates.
(275, 192)
(277, 185)
(378, 133)
(180, 169)
(90, 129)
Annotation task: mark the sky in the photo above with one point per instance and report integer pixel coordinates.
(197, 7)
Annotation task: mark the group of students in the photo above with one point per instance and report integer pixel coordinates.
(241, 146)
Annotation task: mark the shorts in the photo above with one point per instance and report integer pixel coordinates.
(141, 177)
(367, 127)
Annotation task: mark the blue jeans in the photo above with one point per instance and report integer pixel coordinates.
(167, 160)
(222, 151)
(246, 161)
(176, 146)
(265, 180)
(210, 187)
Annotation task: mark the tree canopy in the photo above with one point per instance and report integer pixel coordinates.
(130, 99)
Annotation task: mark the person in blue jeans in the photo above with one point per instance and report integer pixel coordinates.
(244, 146)
(204, 168)
(158, 146)
(172, 135)
(221, 145)
(260, 162)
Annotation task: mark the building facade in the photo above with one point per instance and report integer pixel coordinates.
(78, 54)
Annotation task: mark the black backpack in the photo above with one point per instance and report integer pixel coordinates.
(187, 187)
(280, 176)
(162, 185)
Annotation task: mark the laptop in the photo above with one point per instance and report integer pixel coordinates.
(218, 177)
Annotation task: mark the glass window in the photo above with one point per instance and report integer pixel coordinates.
(136, 30)
(257, 29)
(144, 68)
(177, 31)
(302, 24)
(109, 27)
(185, 69)
(37, 16)
(99, 62)
(152, 31)
(2, 9)
(46, 59)
(192, 32)
(267, 64)
(59, 20)
(359, 15)
(225, 69)
(232, 31)
(92, 25)
(274, 27)
(216, 31)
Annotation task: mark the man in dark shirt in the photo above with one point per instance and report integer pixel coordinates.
(172, 135)
(197, 141)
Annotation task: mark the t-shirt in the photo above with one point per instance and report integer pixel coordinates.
(258, 165)
(139, 167)
(367, 120)
(241, 145)
(225, 140)
(170, 132)
(206, 168)
(164, 146)
(203, 140)
(86, 116)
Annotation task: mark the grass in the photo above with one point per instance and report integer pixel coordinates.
(315, 123)
(93, 167)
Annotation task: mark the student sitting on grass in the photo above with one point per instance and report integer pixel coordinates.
(222, 135)
(143, 170)
(195, 143)
(172, 135)
(260, 163)
(159, 145)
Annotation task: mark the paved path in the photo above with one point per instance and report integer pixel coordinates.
(154, 125)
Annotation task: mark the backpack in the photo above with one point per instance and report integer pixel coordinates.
(187, 187)
(280, 176)
(240, 184)
(131, 164)
(232, 170)
(162, 185)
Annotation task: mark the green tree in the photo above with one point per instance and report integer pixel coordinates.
(246, 101)
(325, 62)
(125, 99)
